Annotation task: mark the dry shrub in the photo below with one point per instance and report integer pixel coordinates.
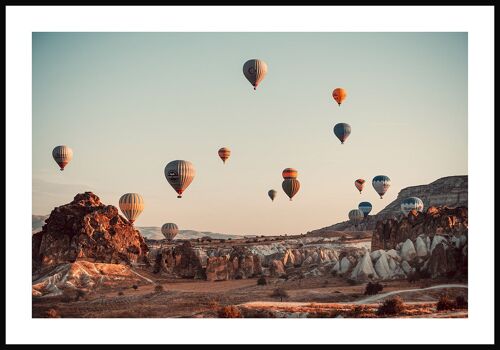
(229, 312)
(461, 302)
(373, 288)
(392, 306)
(120, 293)
(261, 281)
(279, 293)
(358, 311)
(413, 277)
(445, 303)
(53, 313)
(158, 288)
(135, 286)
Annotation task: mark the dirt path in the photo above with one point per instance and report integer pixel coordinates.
(381, 296)
(210, 287)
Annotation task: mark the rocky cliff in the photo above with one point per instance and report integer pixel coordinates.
(86, 229)
(434, 221)
(450, 191)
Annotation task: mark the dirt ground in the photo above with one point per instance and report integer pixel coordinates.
(195, 298)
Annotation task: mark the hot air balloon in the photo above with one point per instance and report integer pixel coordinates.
(224, 154)
(179, 174)
(356, 216)
(255, 71)
(131, 205)
(411, 203)
(365, 207)
(359, 183)
(291, 187)
(289, 173)
(342, 131)
(169, 230)
(339, 95)
(381, 184)
(272, 194)
(62, 155)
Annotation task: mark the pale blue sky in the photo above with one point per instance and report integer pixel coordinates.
(128, 103)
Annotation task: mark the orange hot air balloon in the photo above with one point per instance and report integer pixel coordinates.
(359, 183)
(224, 154)
(339, 95)
(290, 173)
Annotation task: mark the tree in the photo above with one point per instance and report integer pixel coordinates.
(373, 288)
(280, 293)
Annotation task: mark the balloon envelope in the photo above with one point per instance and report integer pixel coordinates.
(360, 184)
(412, 203)
(339, 95)
(224, 154)
(62, 155)
(169, 230)
(381, 184)
(365, 207)
(180, 174)
(291, 187)
(290, 173)
(342, 131)
(272, 194)
(356, 216)
(255, 70)
(131, 205)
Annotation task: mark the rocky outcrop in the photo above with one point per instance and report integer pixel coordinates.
(450, 191)
(215, 263)
(435, 221)
(83, 276)
(88, 230)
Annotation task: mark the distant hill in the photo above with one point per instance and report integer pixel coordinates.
(153, 232)
(37, 221)
(450, 191)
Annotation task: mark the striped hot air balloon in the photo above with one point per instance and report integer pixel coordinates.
(62, 155)
(291, 187)
(255, 70)
(290, 173)
(381, 184)
(365, 207)
(272, 194)
(224, 154)
(342, 131)
(339, 95)
(356, 216)
(359, 183)
(179, 174)
(169, 230)
(411, 203)
(131, 205)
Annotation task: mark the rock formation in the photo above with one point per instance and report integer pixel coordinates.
(88, 230)
(435, 221)
(450, 191)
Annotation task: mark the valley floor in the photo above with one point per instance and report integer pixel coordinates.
(311, 297)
